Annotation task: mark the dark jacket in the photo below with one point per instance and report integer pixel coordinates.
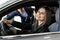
(29, 10)
(29, 27)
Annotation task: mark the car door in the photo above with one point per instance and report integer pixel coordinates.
(36, 36)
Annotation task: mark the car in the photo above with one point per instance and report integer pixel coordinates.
(10, 6)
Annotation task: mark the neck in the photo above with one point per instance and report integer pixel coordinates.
(40, 22)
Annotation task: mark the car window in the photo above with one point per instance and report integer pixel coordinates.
(30, 19)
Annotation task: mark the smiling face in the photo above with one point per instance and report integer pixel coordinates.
(41, 14)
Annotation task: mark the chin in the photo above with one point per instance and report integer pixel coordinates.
(40, 19)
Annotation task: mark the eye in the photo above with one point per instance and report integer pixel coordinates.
(42, 13)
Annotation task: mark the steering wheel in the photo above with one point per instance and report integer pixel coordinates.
(3, 31)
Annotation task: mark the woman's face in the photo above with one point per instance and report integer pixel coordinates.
(41, 14)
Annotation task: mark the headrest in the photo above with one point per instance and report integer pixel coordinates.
(57, 15)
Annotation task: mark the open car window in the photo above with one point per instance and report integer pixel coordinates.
(25, 23)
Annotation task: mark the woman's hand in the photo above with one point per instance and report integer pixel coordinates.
(7, 21)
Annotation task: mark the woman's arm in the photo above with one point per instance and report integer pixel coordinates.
(11, 15)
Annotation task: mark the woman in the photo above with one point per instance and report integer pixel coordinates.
(40, 23)
(42, 19)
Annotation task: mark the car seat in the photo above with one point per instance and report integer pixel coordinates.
(54, 27)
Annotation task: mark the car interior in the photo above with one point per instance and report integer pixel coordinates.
(54, 6)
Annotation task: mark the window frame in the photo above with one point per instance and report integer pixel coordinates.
(41, 33)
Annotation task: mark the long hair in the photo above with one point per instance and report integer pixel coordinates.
(47, 20)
